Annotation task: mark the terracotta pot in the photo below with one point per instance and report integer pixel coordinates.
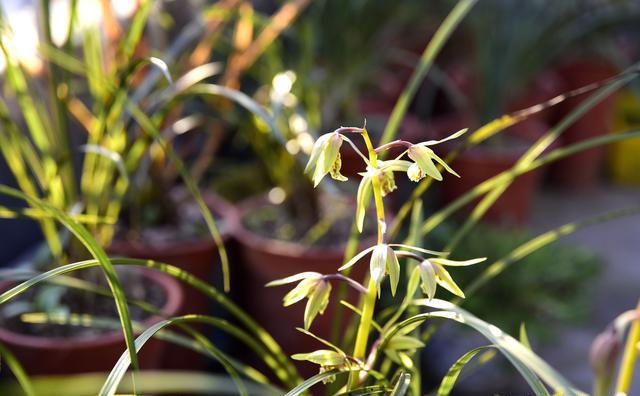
(483, 162)
(97, 353)
(583, 170)
(545, 86)
(262, 260)
(199, 257)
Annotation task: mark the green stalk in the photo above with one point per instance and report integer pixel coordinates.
(369, 303)
(441, 36)
(629, 358)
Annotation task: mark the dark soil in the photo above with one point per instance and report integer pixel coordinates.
(76, 301)
(184, 223)
(275, 221)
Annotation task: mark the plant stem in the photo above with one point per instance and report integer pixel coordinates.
(629, 358)
(369, 303)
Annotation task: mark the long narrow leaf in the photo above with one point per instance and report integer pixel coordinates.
(24, 382)
(96, 251)
(147, 382)
(290, 375)
(454, 18)
(451, 377)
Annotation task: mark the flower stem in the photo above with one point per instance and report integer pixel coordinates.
(629, 359)
(369, 302)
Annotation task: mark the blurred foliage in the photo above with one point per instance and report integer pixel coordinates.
(551, 285)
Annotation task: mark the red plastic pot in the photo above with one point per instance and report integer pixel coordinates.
(583, 170)
(50, 356)
(262, 260)
(199, 257)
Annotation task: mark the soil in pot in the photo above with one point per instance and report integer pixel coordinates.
(271, 247)
(183, 241)
(49, 349)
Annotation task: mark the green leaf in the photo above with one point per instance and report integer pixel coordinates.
(288, 373)
(164, 69)
(402, 385)
(84, 236)
(14, 365)
(150, 129)
(412, 286)
(116, 375)
(530, 365)
(451, 377)
(321, 340)
(418, 249)
(410, 328)
(308, 383)
(403, 342)
(317, 302)
(445, 280)
(454, 263)
(426, 60)
(147, 382)
(524, 338)
(323, 357)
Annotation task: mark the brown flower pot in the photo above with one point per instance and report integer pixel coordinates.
(41, 355)
(262, 260)
(199, 257)
(583, 170)
(480, 163)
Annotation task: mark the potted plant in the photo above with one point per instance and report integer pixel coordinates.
(41, 148)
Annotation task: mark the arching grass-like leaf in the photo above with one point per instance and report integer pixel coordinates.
(147, 382)
(530, 365)
(117, 373)
(402, 385)
(451, 377)
(96, 251)
(21, 376)
(287, 372)
(445, 30)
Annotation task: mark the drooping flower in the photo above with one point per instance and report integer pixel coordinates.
(325, 158)
(424, 158)
(432, 273)
(312, 286)
(326, 359)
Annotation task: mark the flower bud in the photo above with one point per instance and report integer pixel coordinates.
(604, 352)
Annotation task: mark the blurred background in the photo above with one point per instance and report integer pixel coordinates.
(316, 65)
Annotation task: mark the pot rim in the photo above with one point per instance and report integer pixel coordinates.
(215, 202)
(279, 247)
(173, 302)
